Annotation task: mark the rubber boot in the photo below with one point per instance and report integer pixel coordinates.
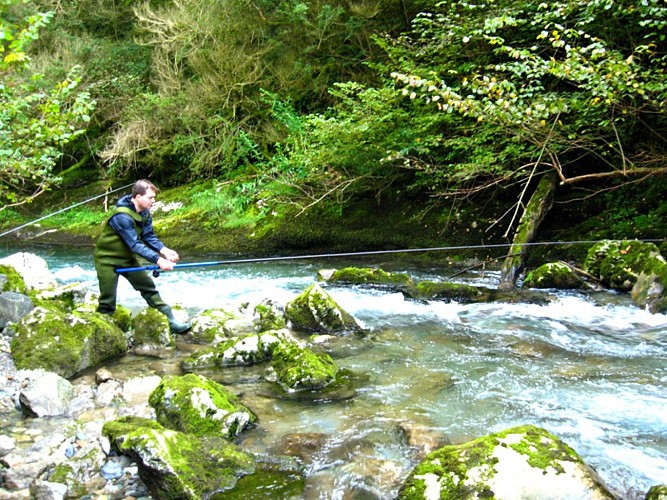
(174, 325)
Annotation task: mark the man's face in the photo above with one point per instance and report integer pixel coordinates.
(144, 201)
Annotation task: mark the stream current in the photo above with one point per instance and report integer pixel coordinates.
(589, 367)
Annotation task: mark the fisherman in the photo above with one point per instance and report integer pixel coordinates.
(128, 233)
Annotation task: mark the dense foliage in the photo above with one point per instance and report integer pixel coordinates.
(315, 103)
(37, 118)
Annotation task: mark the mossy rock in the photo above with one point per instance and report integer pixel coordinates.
(365, 276)
(56, 340)
(658, 492)
(14, 281)
(525, 458)
(618, 263)
(298, 368)
(250, 349)
(553, 275)
(208, 326)
(196, 405)
(151, 328)
(314, 310)
(268, 316)
(649, 289)
(174, 464)
(426, 290)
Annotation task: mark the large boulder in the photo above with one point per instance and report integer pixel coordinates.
(44, 394)
(314, 310)
(32, 268)
(150, 333)
(196, 405)
(64, 342)
(521, 462)
(369, 276)
(631, 265)
(174, 464)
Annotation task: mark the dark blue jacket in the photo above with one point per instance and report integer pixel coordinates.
(146, 244)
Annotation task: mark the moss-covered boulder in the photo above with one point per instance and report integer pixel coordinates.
(298, 368)
(268, 316)
(52, 338)
(209, 326)
(245, 350)
(649, 289)
(150, 330)
(370, 276)
(521, 462)
(554, 275)
(174, 464)
(196, 405)
(442, 290)
(314, 310)
(658, 492)
(618, 263)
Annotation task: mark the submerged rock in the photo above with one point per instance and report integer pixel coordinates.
(371, 276)
(521, 462)
(315, 310)
(196, 405)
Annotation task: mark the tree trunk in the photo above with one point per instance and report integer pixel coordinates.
(538, 207)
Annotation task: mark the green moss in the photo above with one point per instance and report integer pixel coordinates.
(196, 405)
(65, 474)
(451, 466)
(618, 263)
(65, 343)
(173, 464)
(14, 282)
(553, 275)
(298, 368)
(369, 276)
(314, 310)
(443, 290)
(268, 317)
(151, 327)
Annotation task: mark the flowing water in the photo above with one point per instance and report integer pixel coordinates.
(589, 367)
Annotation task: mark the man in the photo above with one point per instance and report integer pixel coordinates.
(128, 233)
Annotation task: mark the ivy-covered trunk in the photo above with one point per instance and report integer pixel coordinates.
(536, 210)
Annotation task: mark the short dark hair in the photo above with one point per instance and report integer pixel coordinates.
(141, 186)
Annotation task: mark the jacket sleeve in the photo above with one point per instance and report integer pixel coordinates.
(124, 226)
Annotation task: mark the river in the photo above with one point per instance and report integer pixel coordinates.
(589, 367)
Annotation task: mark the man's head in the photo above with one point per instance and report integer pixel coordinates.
(143, 195)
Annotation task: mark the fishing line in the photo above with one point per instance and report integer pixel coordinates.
(156, 269)
(63, 210)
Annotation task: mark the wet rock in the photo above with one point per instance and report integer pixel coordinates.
(150, 333)
(298, 368)
(658, 492)
(314, 310)
(268, 316)
(13, 307)
(73, 294)
(208, 326)
(526, 462)
(303, 446)
(370, 276)
(45, 490)
(45, 394)
(554, 275)
(196, 405)
(7, 444)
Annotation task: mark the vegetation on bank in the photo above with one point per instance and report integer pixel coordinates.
(296, 127)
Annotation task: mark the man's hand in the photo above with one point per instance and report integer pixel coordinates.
(164, 264)
(169, 254)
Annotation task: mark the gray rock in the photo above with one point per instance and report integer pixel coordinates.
(13, 307)
(45, 394)
(45, 490)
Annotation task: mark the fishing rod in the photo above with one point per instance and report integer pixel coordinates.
(63, 210)
(156, 269)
